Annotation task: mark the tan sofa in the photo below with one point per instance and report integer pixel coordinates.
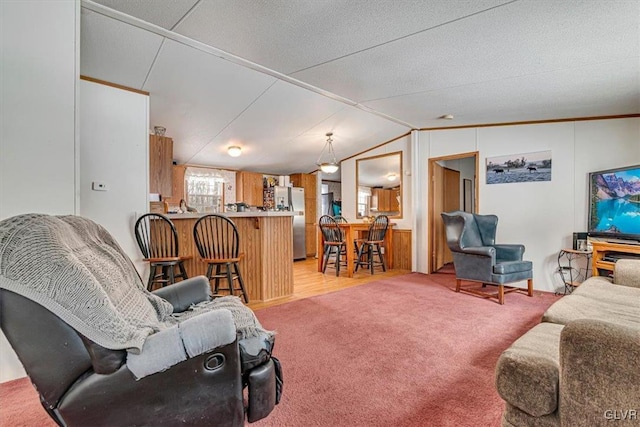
(581, 365)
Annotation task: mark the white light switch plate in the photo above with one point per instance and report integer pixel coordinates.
(98, 186)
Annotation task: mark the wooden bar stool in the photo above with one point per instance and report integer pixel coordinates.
(158, 241)
(218, 243)
(371, 246)
(334, 243)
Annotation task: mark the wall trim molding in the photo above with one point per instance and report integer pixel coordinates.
(535, 122)
(117, 86)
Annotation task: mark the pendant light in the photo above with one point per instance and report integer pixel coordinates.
(332, 165)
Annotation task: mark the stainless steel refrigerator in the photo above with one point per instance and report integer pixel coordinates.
(292, 199)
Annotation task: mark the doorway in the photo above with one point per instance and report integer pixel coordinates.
(449, 191)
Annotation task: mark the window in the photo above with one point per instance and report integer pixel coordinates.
(204, 189)
(364, 193)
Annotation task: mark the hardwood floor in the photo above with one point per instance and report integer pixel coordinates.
(307, 282)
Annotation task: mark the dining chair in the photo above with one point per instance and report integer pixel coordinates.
(158, 241)
(371, 246)
(334, 243)
(218, 244)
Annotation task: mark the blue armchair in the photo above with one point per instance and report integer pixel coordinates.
(477, 258)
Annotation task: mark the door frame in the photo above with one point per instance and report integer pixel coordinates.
(431, 202)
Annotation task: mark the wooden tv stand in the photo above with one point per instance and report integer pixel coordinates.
(600, 249)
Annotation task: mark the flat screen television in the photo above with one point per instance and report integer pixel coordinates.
(614, 208)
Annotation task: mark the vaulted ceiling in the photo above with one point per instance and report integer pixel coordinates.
(274, 76)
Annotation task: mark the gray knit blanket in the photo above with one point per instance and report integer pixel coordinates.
(74, 268)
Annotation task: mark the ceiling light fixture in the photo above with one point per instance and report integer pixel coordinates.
(331, 166)
(446, 117)
(392, 177)
(234, 151)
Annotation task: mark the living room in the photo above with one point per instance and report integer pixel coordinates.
(541, 215)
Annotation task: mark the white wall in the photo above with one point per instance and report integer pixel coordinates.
(39, 72)
(37, 142)
(540, 215)
(349, 188)
(114, 145)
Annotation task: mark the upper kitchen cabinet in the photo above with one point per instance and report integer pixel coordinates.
(249, 188)
(160, 165)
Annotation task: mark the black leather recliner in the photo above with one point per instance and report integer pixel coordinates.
(67, 290)
(81, 383)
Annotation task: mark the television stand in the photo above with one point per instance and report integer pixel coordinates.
(604, 254)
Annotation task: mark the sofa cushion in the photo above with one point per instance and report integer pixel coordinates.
(509, 267)
(598, 299)
(514, 417)
(627, 272)
(527, 372)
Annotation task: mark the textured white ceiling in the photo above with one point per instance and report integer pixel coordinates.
(288, 36)
(275, 76)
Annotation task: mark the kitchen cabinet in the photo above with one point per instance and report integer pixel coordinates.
(310, 184)
(160, 165)
(249, 188)
(383, 200)
(178, 192)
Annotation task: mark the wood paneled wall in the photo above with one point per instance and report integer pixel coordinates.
(267, 243)
(402, 249)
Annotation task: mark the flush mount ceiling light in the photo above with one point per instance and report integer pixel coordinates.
(446, 117)
(392, 177)
(234, 151)
(332, 165)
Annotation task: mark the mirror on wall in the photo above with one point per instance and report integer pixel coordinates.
(379, 185)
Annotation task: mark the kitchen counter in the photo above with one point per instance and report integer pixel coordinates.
(266, 239)
(246, 214)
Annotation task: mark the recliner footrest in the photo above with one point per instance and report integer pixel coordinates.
(262, 391)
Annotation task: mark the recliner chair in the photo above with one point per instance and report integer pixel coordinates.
(82, 383)
(477, 258)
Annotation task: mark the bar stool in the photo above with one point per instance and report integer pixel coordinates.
(158, 241)
(334, 243)
(218, 243)
(368, 248)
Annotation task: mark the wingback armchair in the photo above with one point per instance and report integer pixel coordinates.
(189, 372)
(477, 257)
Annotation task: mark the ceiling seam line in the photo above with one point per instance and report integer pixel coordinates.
(184, 40)
(232, 120)
(403, 37)
(292, 140)
(153, 63)
(186, 15)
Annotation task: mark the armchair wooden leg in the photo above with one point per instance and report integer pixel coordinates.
(458, 283)
(501, 294)
(530, 287)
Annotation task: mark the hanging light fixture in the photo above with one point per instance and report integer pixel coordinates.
(331, 166)
(234, 151)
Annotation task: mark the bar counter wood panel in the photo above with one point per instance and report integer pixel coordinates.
(402, 249)
(267, 243)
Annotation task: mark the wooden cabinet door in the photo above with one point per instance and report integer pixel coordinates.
(160, 165)
(178, 184)
(311, 237)
(394, 206)
(249, 188)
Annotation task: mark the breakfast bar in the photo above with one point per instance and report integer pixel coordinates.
(266, 239)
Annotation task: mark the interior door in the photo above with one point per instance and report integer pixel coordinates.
(446, 198)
